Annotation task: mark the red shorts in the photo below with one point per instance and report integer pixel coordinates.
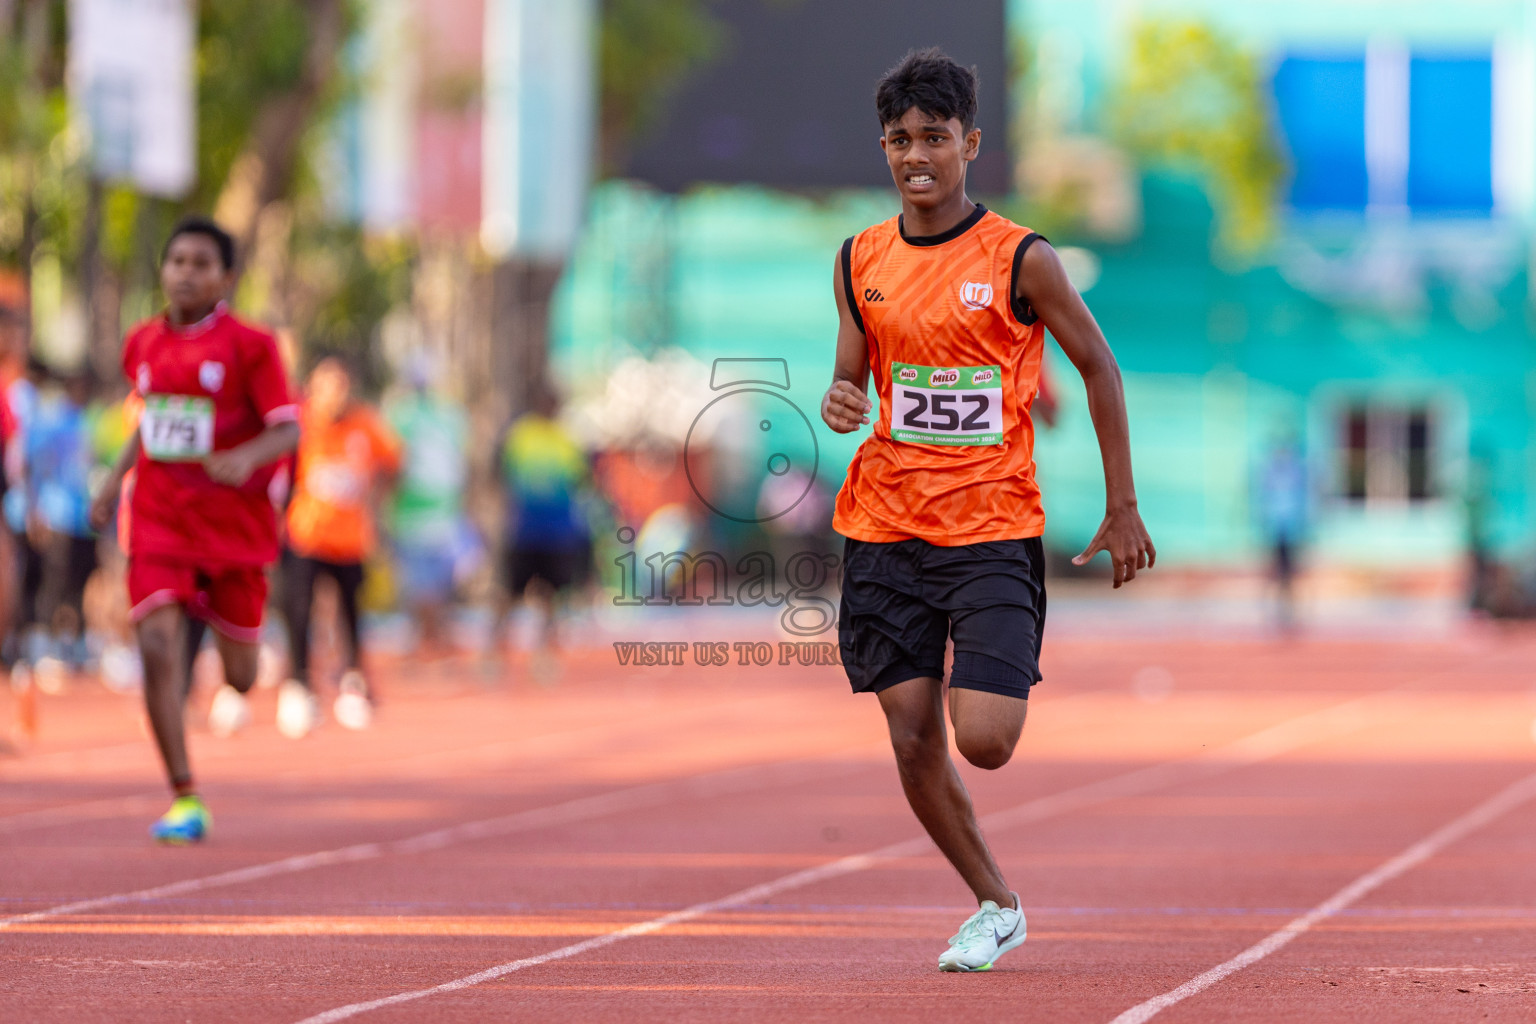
(230, 598)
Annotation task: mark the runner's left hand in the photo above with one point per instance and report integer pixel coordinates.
(232, 467)
(1124, 536)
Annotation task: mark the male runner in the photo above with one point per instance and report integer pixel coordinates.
(217, 416)
(347, 457)
(947, 306)
(548, 545)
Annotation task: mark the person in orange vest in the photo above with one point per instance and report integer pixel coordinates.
(946, 307)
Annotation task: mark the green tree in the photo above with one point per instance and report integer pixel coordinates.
(645, 49)
(1193, 100)
(268, 72)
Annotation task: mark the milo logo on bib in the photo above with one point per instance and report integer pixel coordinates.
(946, 405)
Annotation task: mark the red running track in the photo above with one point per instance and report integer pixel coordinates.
(655, 844)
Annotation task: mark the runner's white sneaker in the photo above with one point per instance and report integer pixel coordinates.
(229, 713)
(297, 712)
(985, 936)
(353, 709)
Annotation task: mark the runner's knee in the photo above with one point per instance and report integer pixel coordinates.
(917, 743)
(985, 748)
(240, 663)
(159, 647)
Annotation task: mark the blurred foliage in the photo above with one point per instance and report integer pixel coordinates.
(344, 284)
(35, 154)
(1193, 100)
(251, 55)
(248, 52)
(645, 49)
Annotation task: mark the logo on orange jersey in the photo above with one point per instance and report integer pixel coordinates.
(873, 295)
(943, 378)
(976, 294)
(908, 373)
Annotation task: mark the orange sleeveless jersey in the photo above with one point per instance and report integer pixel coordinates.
(941, 311)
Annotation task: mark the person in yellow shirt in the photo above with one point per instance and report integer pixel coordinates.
(548, 545)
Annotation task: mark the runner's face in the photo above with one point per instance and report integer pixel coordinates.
(928, 156)
(193, 276)
(330, 389)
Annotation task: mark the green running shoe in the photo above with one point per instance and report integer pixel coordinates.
(188, 821)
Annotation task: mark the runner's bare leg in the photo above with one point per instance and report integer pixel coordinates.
(987, 725)
(162, 643)
(914, 712)
(241, 661)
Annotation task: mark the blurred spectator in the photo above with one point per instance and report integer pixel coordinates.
(113, 425)
(548, 545)
(800, 508)
(347, 456)
(1478, 498)
(22, 396)
(13, 341)
(1283, 497)
(428, 506)
(59, 460)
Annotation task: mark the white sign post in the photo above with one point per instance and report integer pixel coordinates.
(540, 102)
(132, 90)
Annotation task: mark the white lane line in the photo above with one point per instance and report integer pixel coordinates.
(1260, 746)
(655, 794)
(1499, 804)
(527, 747)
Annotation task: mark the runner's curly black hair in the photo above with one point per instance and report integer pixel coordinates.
(933, 83)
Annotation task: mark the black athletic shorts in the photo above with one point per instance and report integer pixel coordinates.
(560, 565)
(902, 600)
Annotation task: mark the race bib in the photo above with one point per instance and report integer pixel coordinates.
(176, 428)
(954, 405)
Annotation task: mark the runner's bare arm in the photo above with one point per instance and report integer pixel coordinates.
(234, 466)
(1044, 285)
(846, 402)
(107, 494)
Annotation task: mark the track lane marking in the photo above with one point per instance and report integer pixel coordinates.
(1263, 745)
(46, 817)
(633, 798)
(112, 807)
(1494, 807)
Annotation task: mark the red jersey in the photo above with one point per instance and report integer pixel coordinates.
(208, 387)
(956, 362)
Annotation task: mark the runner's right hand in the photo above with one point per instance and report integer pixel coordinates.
(101, 508)
(844, 407)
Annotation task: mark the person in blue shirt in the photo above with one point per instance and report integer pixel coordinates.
(547, 545)
(1282, 499)
(60, 457)
(21, 642)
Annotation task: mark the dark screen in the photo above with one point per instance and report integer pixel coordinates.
(788, 98)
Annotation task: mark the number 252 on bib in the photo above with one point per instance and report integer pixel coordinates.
(954, 405)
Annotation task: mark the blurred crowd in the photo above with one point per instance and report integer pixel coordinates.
(375, 516)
